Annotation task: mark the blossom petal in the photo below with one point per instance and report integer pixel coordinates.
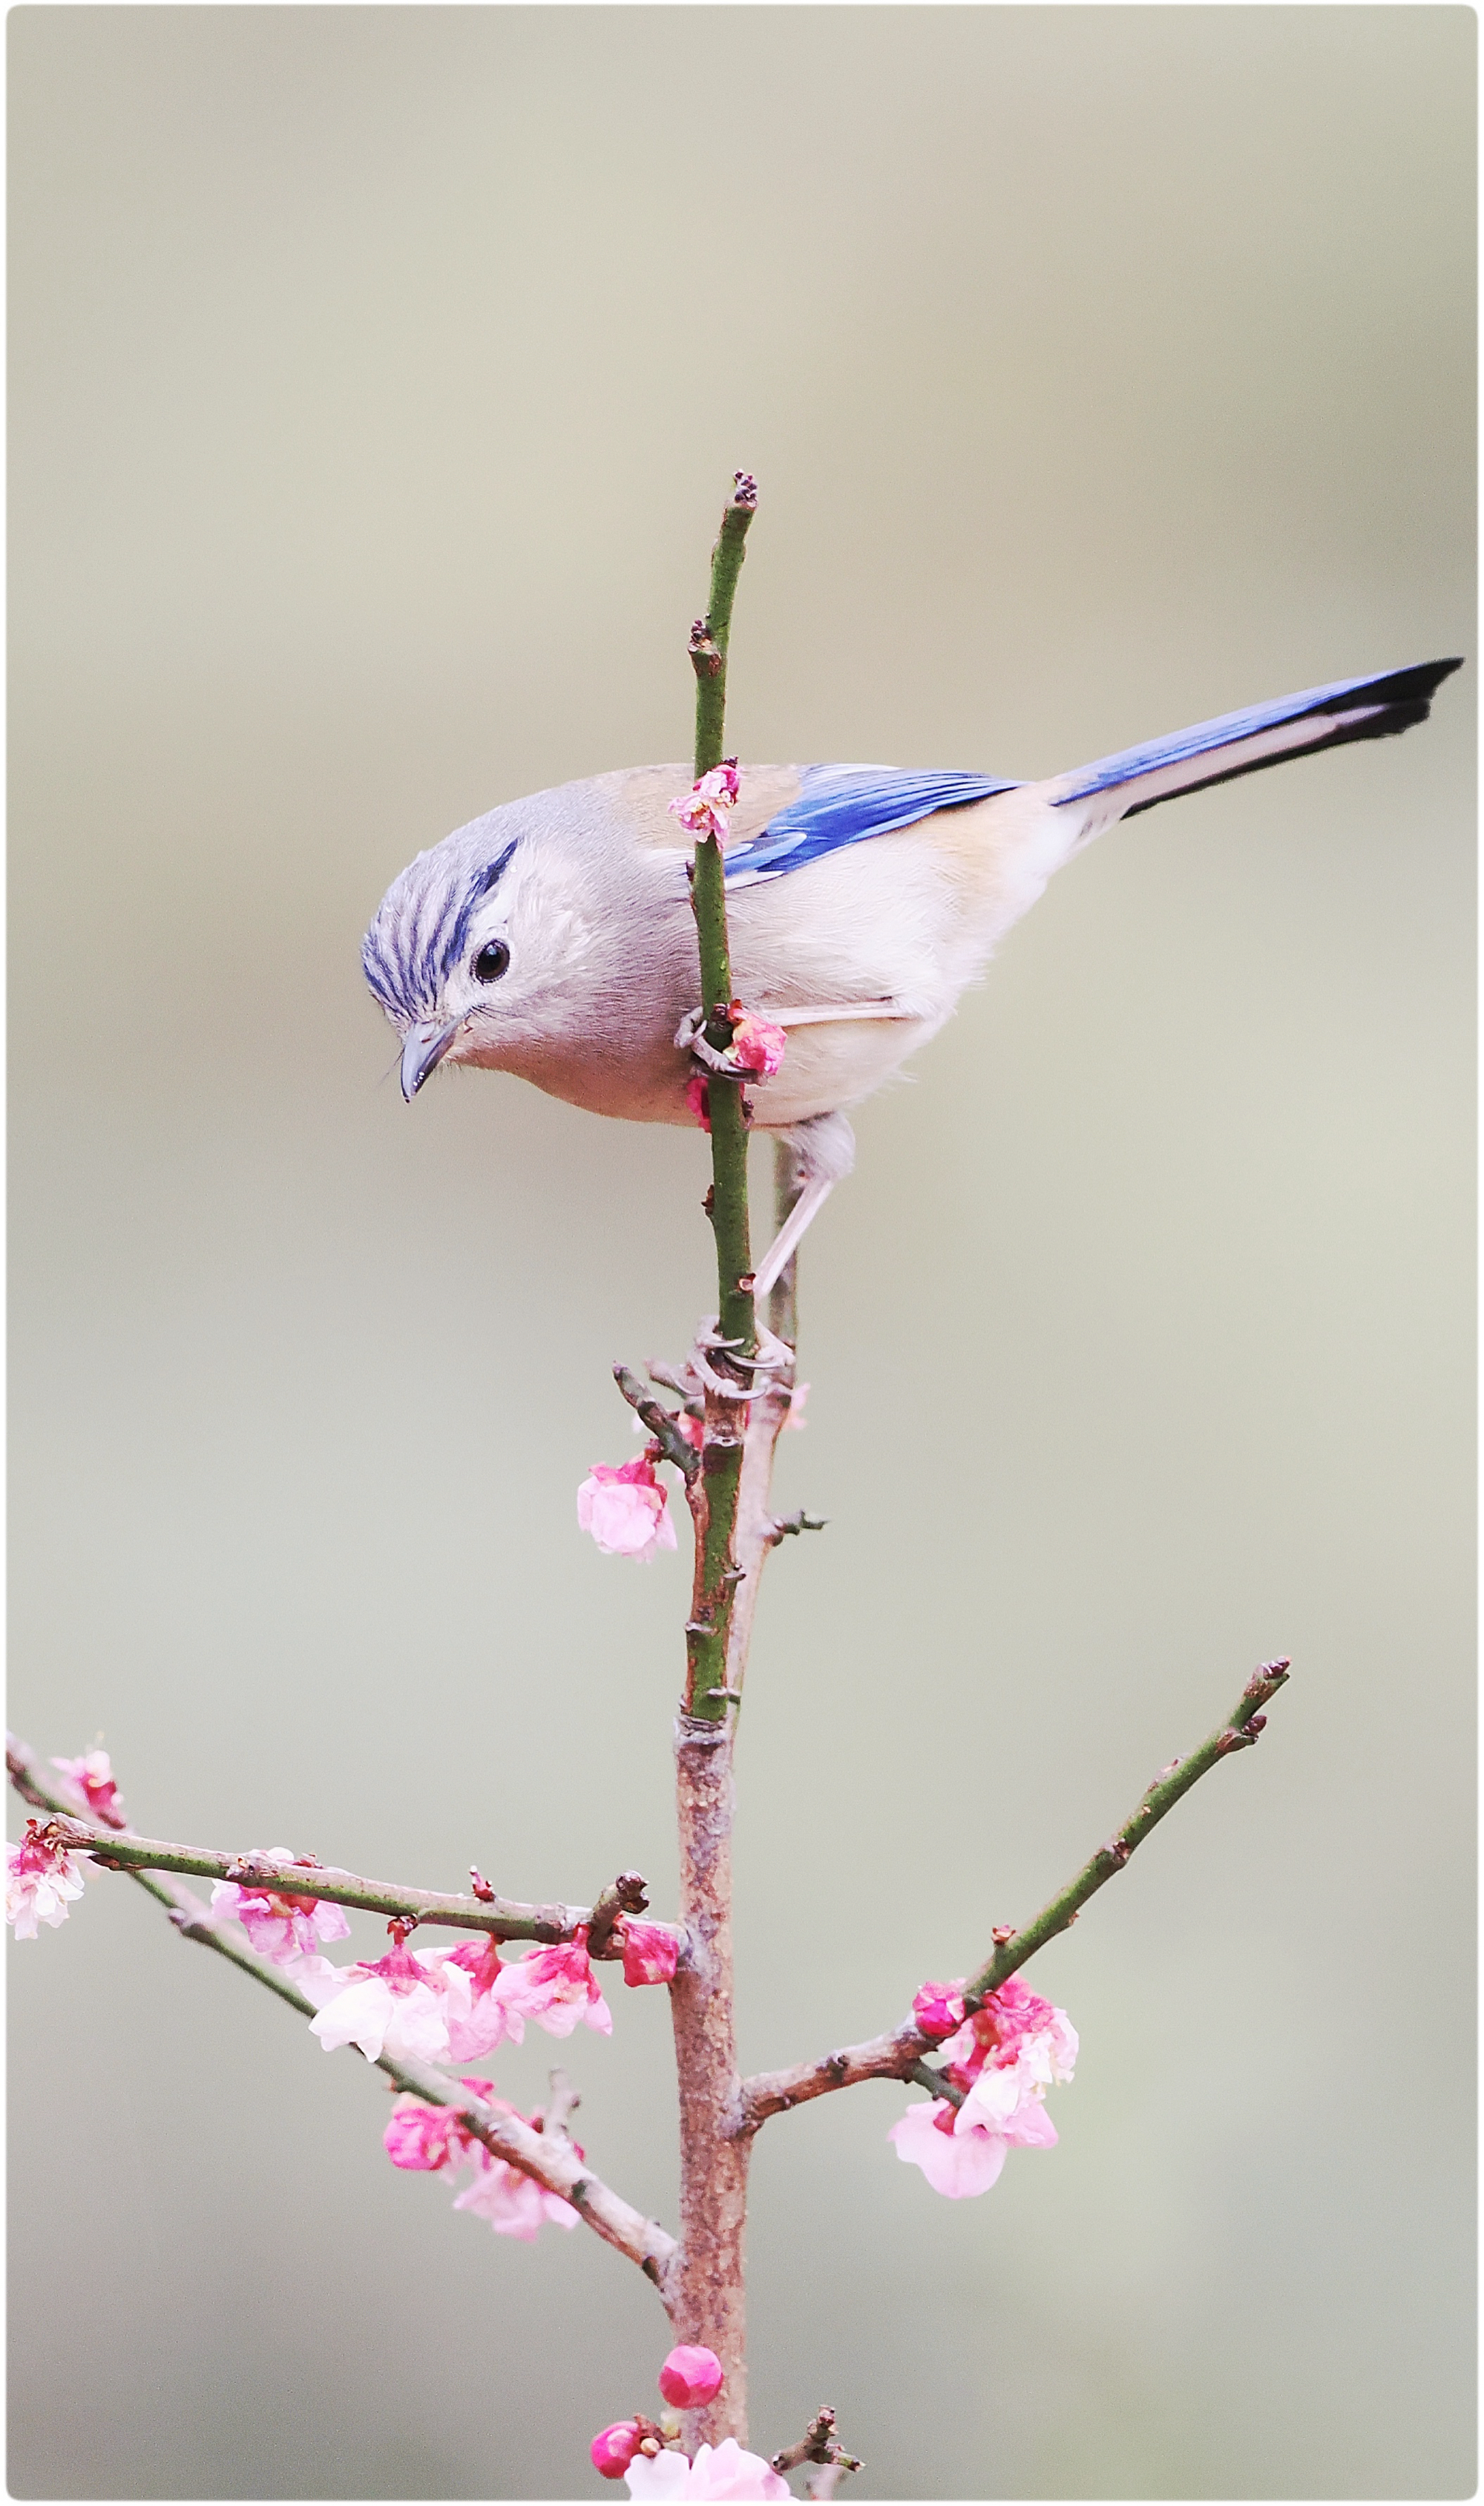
(956, 2165)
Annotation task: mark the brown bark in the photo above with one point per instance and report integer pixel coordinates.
(708, 2305)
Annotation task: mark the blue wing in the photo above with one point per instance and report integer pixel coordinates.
(844, 805)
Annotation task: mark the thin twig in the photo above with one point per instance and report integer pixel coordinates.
(660, 1423)
(629, 1894)
(1241, 1729)
(819, 2443)
(901, 2054)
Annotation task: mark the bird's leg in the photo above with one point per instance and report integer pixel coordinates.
(824, 1148)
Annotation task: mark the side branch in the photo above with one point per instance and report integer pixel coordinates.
(551, 2158)
(882, 2058)
(500, 1916)
(660, 1423)
(1241, 1729)
(901, 2054)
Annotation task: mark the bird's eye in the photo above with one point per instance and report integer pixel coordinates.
(491, 962)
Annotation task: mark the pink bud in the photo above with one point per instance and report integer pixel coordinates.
(691, 2377)
(613, 2449)
(650, 1952)
(939, 2008)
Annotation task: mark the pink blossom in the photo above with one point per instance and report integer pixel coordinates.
(698, 1098)
(93, 1776)
(1015, 2031)
(704, 809)
(557, 1989)
(956, 2164)
(613, 2449)
(423, 2138)
(624, 1509)
(488, 2023)
(428, 2139)
(283, 1925)
(401, 2006)
(691, 2377)
(1004, 2057)
(755, 1044)
(939, 2008)
(723, 2471)
(41, 1878)
(514, 2204)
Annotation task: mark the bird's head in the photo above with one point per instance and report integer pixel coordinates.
(477, 950)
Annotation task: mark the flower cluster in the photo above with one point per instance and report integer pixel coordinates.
(93, 1776)
(704, 811)
(433, 2140)
(1003, 2056)
(453, 2004)
(41, 1878)
(623, 1507)
(282, 1924)
(636, 2449)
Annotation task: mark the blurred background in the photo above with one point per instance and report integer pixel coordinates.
(377, 378)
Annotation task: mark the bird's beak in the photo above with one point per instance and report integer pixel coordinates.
(423, 1049)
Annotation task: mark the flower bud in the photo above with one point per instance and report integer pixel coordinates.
(691, 2377)
(939, 2008)
(613, 2449)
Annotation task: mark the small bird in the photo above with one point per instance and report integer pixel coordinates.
(553, 936)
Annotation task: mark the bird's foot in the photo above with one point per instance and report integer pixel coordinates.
(773, 1358)
(690, 1037)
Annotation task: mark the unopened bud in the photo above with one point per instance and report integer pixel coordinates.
(691, 2377)
(613, 2449)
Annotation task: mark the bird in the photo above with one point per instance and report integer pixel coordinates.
(552, 937)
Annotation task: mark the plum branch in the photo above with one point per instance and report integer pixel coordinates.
(551, 2157)
(500, 1917)
(901, 2054)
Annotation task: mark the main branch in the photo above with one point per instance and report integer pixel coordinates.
(744, 1409)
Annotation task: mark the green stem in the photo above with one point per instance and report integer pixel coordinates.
(715, 631)
(506, 1921)
(727, 1201)
(499, 1915)
(1240, 1731)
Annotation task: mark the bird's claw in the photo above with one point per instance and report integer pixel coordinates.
(774, 1356)
(690, 1037)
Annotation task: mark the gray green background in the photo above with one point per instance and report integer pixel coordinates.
(378, 376)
